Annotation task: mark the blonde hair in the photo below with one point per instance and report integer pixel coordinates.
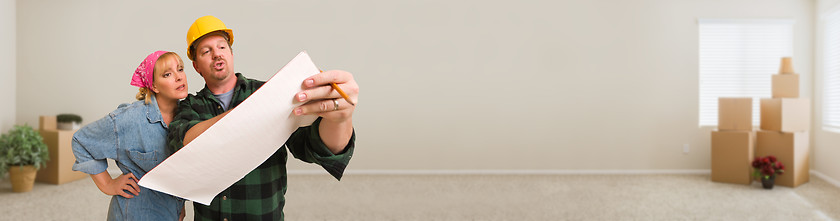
(144, 94)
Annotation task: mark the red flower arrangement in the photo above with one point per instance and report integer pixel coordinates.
(767, 166)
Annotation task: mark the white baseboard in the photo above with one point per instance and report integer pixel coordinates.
(826, 178)
(503, 172)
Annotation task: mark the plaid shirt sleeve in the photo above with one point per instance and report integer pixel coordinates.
(306, 144)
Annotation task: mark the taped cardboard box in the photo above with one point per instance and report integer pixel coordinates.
(732, 154)
(734, 113)
(792, 149)
(785, 86)
(785, 114)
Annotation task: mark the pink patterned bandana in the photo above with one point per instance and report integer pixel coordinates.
(144, 75)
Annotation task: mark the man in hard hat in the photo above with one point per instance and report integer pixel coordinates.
(329, 141)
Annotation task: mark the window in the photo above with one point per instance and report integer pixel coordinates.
(831, 73)
(737, 59)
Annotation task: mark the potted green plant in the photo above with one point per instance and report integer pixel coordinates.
(766, 168)
(68, 121)
(22, 153)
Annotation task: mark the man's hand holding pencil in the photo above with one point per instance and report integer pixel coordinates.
(329, 94)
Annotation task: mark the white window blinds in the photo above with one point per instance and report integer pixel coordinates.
(737, 59)
(831, 73)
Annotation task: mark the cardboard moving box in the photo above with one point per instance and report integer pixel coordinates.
(792, 149)
(734, 113)
(785, 86)
(785, 114)
(732, 154)
(48, 123)
(59, 169)
(786, 66)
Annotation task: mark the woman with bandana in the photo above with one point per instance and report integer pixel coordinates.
(134, 136)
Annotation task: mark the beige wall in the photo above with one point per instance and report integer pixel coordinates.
(464, 85)
(825, 143)
(7, 65)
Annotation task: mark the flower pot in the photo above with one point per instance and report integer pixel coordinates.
(68, 126)
(23, 178)
(767, 183)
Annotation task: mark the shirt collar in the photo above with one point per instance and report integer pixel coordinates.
(153, 111)
(240, 82)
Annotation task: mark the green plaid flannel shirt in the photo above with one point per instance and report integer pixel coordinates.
(258, 195)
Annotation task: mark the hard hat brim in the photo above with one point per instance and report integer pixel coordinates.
(226, 31)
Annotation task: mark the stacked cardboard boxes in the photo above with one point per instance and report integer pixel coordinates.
(734, 142)
(785, 121)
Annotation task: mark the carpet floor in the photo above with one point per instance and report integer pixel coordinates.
(484, 197)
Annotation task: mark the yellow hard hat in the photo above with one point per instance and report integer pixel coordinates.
(201, 27)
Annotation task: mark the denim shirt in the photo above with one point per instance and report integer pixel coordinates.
(133, 135)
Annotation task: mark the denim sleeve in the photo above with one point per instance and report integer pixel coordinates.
(95, 143)
(306, 144)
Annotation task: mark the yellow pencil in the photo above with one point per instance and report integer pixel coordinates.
(346, 98)
(344, 95)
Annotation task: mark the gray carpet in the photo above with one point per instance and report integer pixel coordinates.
(485, 197)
